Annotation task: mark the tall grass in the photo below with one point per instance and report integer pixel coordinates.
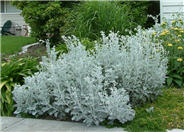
(89, 18)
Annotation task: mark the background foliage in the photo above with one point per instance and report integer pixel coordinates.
(94, 17)
(46, 18)
(51, 20)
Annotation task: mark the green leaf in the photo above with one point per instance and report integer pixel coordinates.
(8, 97)
(169, 81)
(8, 87)
(177, 76)
(2, 84)
(22, 74)
(179, 82)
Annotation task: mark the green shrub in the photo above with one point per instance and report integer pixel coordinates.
(46, 18)
(171, 35)
(52, 19)
(13, 72)
(144, 8)
(90, 18)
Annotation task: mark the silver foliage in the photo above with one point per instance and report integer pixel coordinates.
(96, 85)
(134, 63)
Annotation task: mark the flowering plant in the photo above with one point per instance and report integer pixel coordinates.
(171, 35)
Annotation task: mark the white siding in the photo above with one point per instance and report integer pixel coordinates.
(9, 12)
(13, 17)
(170, 7)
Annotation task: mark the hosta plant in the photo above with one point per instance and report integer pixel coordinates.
(13, 72)
(97, 84)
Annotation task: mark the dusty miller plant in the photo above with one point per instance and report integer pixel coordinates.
(134, 63)
(96, 85)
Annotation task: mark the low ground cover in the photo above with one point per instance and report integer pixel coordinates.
(13, 44)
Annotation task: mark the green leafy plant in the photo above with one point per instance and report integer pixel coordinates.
(171, 34)
(13, 72)
(96, 16)
(46, 18)
(52, 19)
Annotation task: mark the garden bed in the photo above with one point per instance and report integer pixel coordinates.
(131, 79)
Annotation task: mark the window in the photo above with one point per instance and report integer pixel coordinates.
(2, 7)
(6, 7)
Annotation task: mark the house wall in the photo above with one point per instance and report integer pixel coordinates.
(9, 12)
(14, 17)
(170, 7)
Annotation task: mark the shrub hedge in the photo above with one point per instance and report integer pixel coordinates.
(52, 19)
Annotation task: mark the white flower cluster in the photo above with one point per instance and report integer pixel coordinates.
(92, 86)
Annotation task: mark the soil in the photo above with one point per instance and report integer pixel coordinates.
(35, 51)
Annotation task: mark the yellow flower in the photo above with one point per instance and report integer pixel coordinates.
(154, 33)
(180, 59)
(177, 40)
(173, 22)
(164, 32)
(180, 48)
(176, 29)
(170, 45)
(164, 23)
(182, 31)
(179, 35)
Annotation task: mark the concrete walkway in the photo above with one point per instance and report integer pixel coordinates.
(12, 124)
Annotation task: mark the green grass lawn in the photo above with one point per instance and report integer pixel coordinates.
(13, 44)
(168, 113)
